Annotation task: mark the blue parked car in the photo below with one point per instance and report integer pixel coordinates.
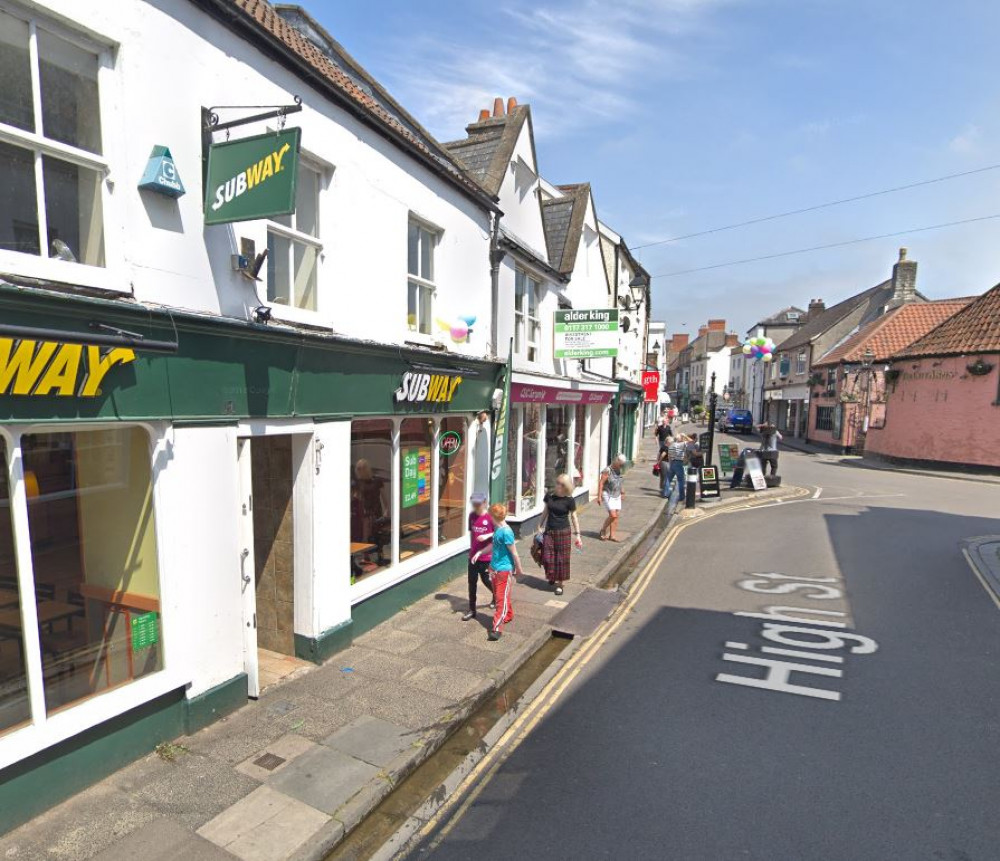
(737, 421)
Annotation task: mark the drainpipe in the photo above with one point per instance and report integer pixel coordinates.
(496, 256)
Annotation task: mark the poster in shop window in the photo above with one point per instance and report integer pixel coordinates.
(416, 476)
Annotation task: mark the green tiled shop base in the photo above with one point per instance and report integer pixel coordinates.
(326, 645)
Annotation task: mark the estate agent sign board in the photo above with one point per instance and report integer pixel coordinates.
(586, 334)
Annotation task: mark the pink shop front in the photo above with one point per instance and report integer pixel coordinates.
(557, 426)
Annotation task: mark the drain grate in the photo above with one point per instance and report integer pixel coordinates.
(269, 761)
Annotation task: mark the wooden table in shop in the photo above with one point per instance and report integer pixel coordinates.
(48, 613)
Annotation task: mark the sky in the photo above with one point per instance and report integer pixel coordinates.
(689, 115)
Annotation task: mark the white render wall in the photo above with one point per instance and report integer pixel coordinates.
(168, 255)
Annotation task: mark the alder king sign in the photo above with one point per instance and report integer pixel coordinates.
(586, 334)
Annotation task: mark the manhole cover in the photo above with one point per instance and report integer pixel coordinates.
(269, 761)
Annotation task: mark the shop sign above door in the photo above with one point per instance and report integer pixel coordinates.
(252, 178)
(415, 388)
(42, 368)
(586, 334)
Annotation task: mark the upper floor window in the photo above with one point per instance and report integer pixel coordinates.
(785, 363)
(420, 287)
(527, 326)
(800, 362)
(293, 246)
(51, 157)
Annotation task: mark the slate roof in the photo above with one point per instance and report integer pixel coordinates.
(893, 331)
(489, 147)
(974, 329)
(873, 301)
(780, 318)
(349, 80)
(562, 220)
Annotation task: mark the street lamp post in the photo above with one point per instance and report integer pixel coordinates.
(711, 420)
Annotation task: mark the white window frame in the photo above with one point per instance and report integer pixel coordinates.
(800, 362)
(289, 312)
(47, 729)
(397, 571)
(111, 277)
(528, 349)
(426, 287)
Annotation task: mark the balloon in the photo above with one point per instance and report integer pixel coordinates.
(459, 332)
(768, 358)
(443, 324)
(746, 349)
(469, 321)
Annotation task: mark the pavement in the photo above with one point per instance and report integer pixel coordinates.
(285, 777)
(698, 733)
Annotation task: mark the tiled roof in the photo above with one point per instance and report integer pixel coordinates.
(974, 329)
(489, 147)
(562, 218)
(893, 331)
(348, 78)
(874, 299)
(781, 317)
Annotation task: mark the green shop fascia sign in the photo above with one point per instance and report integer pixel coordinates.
(252, 178)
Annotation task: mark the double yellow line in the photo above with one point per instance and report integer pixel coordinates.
(479, 778)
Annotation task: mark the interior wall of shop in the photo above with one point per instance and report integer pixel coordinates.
(171, 257)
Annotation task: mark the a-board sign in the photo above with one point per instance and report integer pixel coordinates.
(756, 473)
(709, 483)
(728, 456)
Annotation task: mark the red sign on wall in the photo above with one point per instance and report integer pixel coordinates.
(651, 385)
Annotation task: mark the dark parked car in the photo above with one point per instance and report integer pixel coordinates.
(738, 421)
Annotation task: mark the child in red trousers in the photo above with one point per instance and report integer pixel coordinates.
(505, 566)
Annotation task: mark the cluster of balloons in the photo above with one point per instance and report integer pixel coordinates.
(460, 328)
(759, 348)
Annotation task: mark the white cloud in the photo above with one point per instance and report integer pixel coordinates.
(968, 141)
(575, 61)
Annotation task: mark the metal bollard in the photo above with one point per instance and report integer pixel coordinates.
(692, 487)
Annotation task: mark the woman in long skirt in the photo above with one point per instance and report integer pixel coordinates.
(561, 530)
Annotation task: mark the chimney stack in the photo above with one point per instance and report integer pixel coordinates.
(498, 107)
(904, 281)
(484, 114)
(702, 331)
(678, 342)
(511, 104)
(816, 306)
(716, 325)
(732, 339)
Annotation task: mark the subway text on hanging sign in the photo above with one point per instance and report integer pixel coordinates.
(41, 368)
(252, 178)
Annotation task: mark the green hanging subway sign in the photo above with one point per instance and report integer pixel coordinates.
(252, 178)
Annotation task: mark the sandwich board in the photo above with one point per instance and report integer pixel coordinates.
(756, 473)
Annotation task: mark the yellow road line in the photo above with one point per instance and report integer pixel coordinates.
(479, 777)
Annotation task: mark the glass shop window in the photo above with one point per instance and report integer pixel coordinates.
(531, 429)
(451, 479)
(557, 444)
(416, 438)
(579, 445)
(513, 434)
(93, 551)
(371, 497)
(15, 710)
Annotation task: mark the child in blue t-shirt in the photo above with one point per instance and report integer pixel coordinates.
(503, 564)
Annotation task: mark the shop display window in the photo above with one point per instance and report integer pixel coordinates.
(513, 434)
(371, 497)
(531, 431)
(579, 444)
(557, 444)
(416, 441)
(94, 557)
(451, 478)
(15, 708)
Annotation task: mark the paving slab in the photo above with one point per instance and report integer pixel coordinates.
(447, 682)
(163, 839)
(275, 756)
(323, 778)
(373, 740)
(585, 612)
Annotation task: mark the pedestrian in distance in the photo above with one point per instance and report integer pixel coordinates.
(663, 431)
(610, 493)
(663, 464)
(770, 436)
(676, 458)
(480, 551)
(505, 566)
(560, 530)
(694, 454)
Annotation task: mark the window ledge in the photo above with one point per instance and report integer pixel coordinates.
(27, 271)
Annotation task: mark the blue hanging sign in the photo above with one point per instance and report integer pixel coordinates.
(161, 174)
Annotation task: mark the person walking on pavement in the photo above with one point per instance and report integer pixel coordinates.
(663, 463)
(610, 493)
(663, 431)
(676, 456)
(504, 565)
(480, 550)
(694, 453)
(770, 436)
(560, 529)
